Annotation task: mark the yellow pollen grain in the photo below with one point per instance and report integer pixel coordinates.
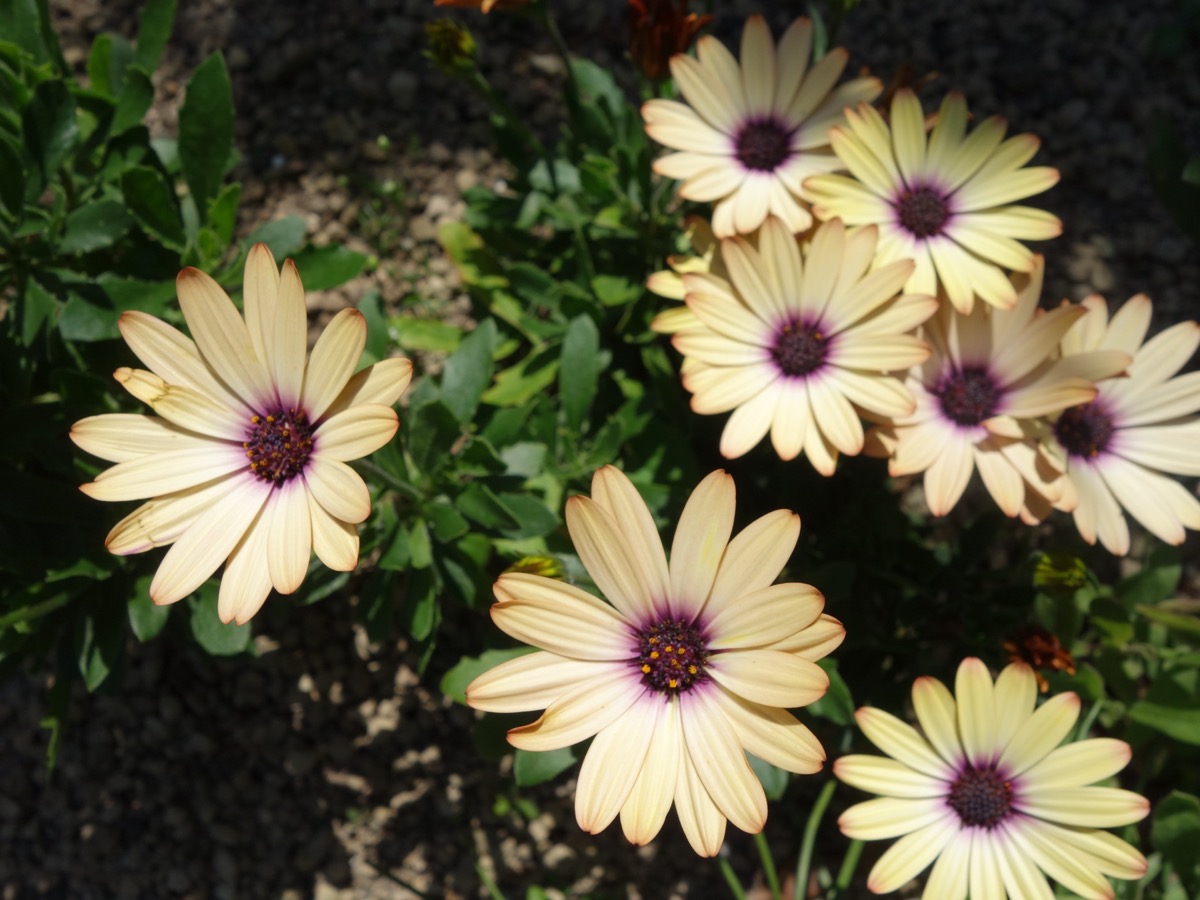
(668, 648)
(646, 669)
(654, 654)
(254, 420)
(691, 670)
(673, 683)
(653, 640)
(681, 651)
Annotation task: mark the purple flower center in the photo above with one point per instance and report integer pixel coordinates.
(1085, 431)
(981, 797)
(922, 211)
(763, 145)
(968, 396)
(671, 655)
(799, 349)
(278, 445)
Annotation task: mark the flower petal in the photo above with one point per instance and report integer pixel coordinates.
(772, 734)
(580, 713)
(288, 340)
(901, 741)
(246, 582)
(335, 542)
(889, 817)
(1089, 807)
(700, 541)
(189, 409)
(385, 382)
(355, 432)
(120, 437)
(713, 748)
(166, 473)
(533, 681)
(162, 520)
(765, 616)
(910, 855)
(769, 677)
(613, 491)
(752, 560)
(1077, 764)
(887, 777)
(290, 543)
(333, 360)
(1039, 733)
(208, 542)
(561, 618)
(612, 764)
(937, 713)
(649, 800)
(338, 488)
(606, 554)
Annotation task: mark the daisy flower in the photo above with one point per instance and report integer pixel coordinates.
(945, 202)
(988, 793)
(689, 666)
(1119, 451)
(245, 462)
(668, 283)
(793, 342)
(750, 134)
(992, 373)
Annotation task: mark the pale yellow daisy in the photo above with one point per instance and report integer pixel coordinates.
(794, 342)
(752, 132)
(689, 666)
(246, 460)
(1120, 450)
(945, 202)
(986, 790)
(979, 396)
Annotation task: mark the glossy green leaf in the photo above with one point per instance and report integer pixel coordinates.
(134, 101)
(154, 30)
(146, 619)
(530, 768)
(206, 130)
(98, 224)
(837, 705)
(213, 635)
(222, 213)
(580, 370)
(1171, 707)
(110, 56)
(454, 682)
(469, 371)
(153, 204)
(1175, 832)
(284, 236)
(774, 779)
(51, 131)
(426, 334)
(12, 178)
(322, 268)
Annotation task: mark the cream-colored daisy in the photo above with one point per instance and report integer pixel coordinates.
(945, 202)
(985, 790)
(751, 133)
(1120, 450)
(793, 342)
(246, 460)
(978, 398)
(668, 283)
(689, 666)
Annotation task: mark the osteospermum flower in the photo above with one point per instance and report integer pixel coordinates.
(750, 134)
(1120, 450)
(688, 666)
(793, 342)
(988, 793)
(945, 202)
(992, 373)
(246, 460)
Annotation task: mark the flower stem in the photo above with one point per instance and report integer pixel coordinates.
(768, 864)
(731, 879)
(804, 863)
(849, 864)
(36, 611)
(1089, 720)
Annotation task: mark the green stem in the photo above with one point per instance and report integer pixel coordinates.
(768, 864)
(804, 863)
(34, 612)
(1089, 720)
(735, 886)
(396, 484)
(542, 11)
(849, 864)
(492, 888)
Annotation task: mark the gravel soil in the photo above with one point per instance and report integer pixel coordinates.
(325, 766)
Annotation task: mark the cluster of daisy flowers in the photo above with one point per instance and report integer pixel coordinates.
(867, 265)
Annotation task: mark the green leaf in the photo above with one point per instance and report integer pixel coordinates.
(222, 213)
(130, 293)
(531, 515)
(480, 503)
(517, 385)
(152, 202)
(206, 129)
(213, 635)
(837, 705)
(448, 524)
(83, 320)
(1175, 832)
(426, 334)
(1182, 615)
(110, 56)
(154, 30)
(284, 236)
(39, 308)
(1157, 580)
(774, 779)
(12, 179)
(419, 611)
(322, 268)
(98, 224)
(530, 767)
(136, 97)
(51, 131)
(419, 549)
(1170, 707)
(454, 682)
(145, 618)
(469, 371)
(613, 290)
(371, 306)
(27, 24)
(99, 640)
(580, 369)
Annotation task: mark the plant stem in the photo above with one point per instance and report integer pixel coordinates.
(768, 864)
(849, 864)
(396, 484)
(36, 611)
(547, 19)
(731, 879)
(1089, 720)
(492, 888)
(804, 863)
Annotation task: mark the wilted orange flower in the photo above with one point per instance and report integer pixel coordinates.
(658, 29)
(1041, 649)
(486, 5)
